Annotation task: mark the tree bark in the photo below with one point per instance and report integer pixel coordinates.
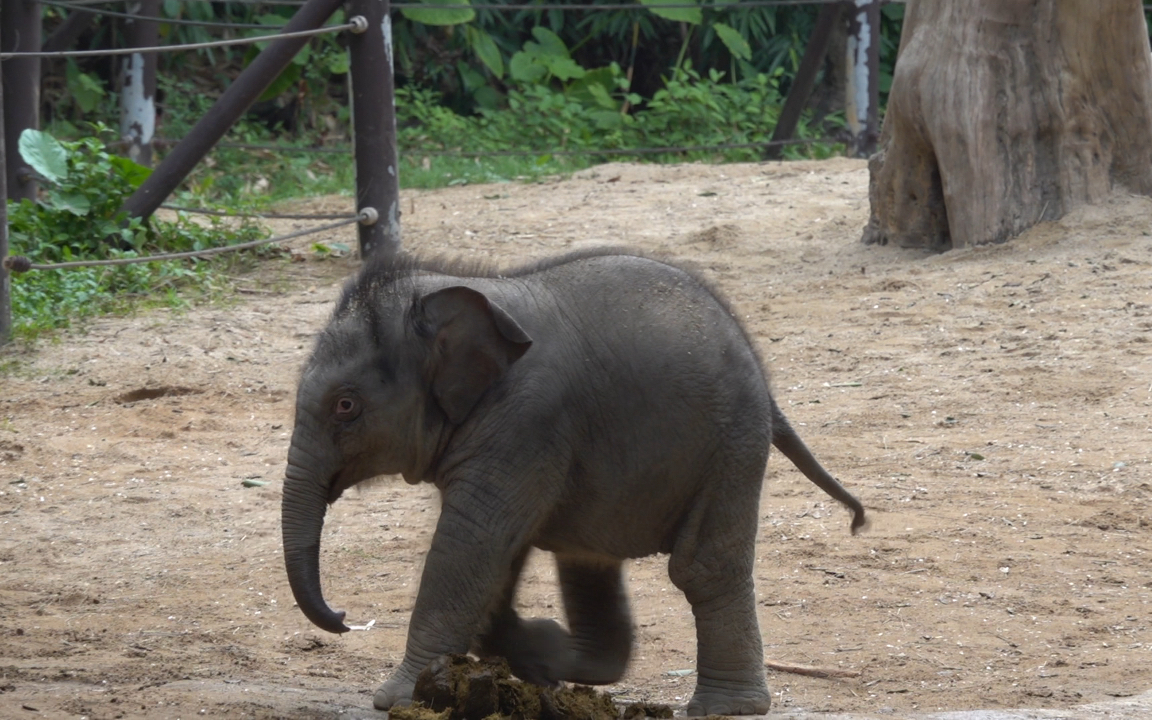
(1004, 113)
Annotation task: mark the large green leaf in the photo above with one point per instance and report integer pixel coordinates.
(595, 88)
(563, 68)
(733, 40)
(690, 15)
(550, 42)
(525, 68)
(485, 48)
(86, 89)
(74, 201)
(133, 172)
(441, 12)
(45, 154)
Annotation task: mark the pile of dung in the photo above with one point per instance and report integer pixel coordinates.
(458, 687)
(640, 710)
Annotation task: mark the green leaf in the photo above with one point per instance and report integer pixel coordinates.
(525, 68)
(338, 63)
(595, 88)
(73, 201)
(606, 119)
(133, 172)
(485, 48)
(691, 15)
(563, 68)
(734, 41)
(441, 12)
(45, 154)
(86, 90)
(286, 80)
(550, 42)
(487, 97)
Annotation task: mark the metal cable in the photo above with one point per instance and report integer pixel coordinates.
(188, 46)
(615, 6)
(530, 153)
(632, 151)
(266, 216)
(236, 2)
(75, 7)
(20, 264)
(558, 6)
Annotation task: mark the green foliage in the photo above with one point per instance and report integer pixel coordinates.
(77, 219)
(692, 16)
(733, 40)
(441, 12)
(593, 112)
(543, 60)
(85, 89)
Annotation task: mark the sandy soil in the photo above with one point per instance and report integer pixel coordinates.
(990, 406)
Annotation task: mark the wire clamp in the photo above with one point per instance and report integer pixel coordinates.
(359, 24)
(368, 216)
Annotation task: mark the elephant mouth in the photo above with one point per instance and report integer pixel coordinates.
(337, 484)
(345, 478)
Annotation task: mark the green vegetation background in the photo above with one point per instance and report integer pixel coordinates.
(483, 96)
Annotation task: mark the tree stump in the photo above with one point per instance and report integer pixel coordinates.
(1004, 113)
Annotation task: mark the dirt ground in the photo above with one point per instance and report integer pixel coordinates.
(990, 406)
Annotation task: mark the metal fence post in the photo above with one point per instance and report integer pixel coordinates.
(374, 127)
(227, 110)
(863, 87)
(69, 31)
(5, 276)
(20, 32)
(805, 78)
(138, 94)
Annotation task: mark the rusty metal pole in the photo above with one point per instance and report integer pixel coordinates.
(5, 276)
(20, 32)
(864, 77)
(232, 104)
(138, 94)
(68, 32)
(374, 127)
(805, 78)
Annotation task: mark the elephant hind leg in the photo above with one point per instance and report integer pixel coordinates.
(599, 619)
(711, 562)
(537, 650)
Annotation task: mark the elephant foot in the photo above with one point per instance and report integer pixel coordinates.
(537, 650)
(394, 692)
(726, 701)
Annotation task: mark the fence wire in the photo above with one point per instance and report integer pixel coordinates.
(187, 46)
(75, 7)
(260, 215)
(21, 264)
(547, 5)
(671, 149)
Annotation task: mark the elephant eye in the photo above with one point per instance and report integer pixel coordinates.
(346, 408)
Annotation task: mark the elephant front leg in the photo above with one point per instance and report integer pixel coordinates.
(470, 561)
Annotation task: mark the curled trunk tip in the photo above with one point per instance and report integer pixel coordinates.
(302, 520)
(304, 578)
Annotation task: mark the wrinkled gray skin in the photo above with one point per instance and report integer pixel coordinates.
(598, 406)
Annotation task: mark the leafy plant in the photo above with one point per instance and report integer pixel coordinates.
(78, 218)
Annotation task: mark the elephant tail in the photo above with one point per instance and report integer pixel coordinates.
(786, 440)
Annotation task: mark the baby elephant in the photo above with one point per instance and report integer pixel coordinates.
(600, 406)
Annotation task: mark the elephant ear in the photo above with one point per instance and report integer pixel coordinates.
(474, 342)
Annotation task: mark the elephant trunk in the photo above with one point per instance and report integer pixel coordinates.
(302, 518)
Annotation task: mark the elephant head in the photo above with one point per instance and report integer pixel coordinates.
(394, 372)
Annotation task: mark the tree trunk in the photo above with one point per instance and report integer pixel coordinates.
(1004, 113)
